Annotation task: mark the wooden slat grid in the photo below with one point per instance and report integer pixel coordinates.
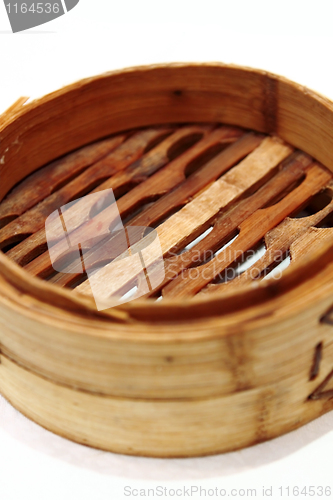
(214, 194)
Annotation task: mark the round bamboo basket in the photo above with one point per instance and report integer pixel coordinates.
(219, 364)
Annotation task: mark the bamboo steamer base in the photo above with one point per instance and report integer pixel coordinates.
(214, 366)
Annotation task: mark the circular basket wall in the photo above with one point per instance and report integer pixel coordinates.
(232, 167)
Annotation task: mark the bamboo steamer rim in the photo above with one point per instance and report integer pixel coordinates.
(261, 298)
(191, 377)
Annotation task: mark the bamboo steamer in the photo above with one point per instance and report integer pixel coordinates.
(213, 367)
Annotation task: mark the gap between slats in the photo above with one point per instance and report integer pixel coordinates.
(215, 195)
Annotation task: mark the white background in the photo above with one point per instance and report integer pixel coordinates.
(292, 38)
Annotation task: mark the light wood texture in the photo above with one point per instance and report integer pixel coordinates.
(33, 215)
(251, 231)
(211, 367)
(296, 236)
(226, 224)
(194, 218)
